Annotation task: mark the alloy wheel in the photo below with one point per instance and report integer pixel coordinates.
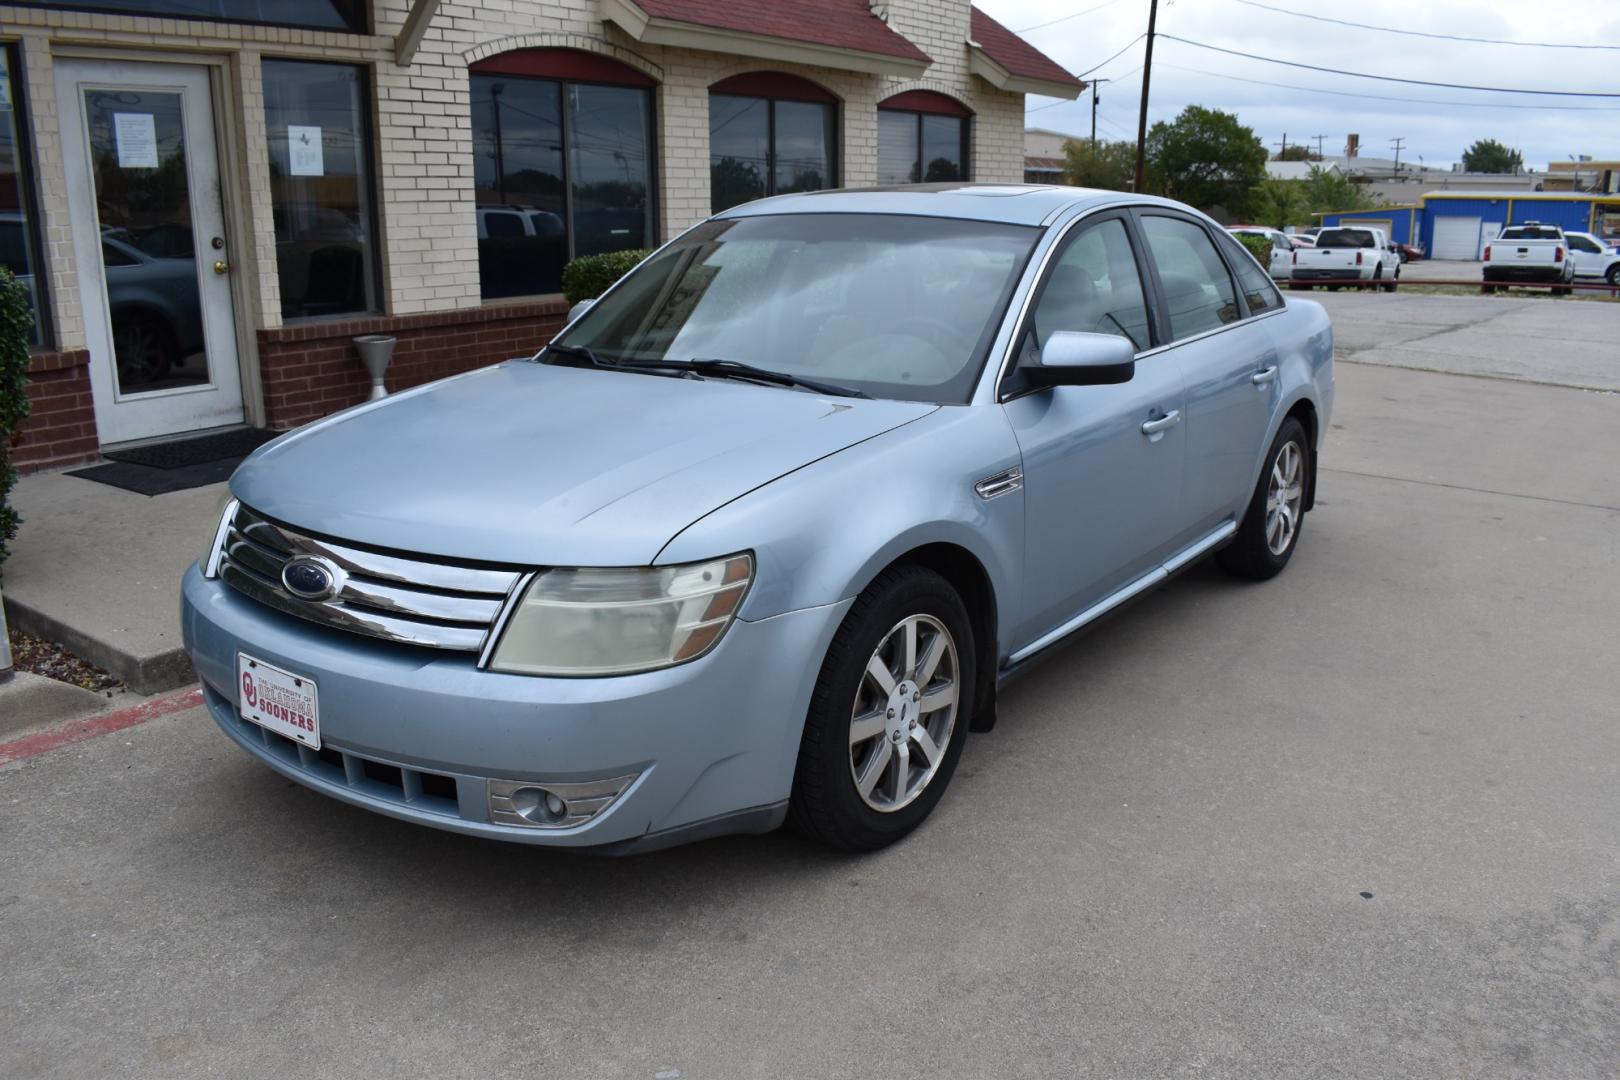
(904, 713)
(1285, 492)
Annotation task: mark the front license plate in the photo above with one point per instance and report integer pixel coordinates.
(278, 700)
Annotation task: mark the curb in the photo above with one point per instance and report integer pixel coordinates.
(142, 674)
(79, 730)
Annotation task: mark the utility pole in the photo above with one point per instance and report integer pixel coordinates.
(1147, 76)
(1318, 139)
(1397, 144)
(1283, 147)
(1094, 83)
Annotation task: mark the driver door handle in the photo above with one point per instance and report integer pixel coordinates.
(1163, 423)
(1260, 378)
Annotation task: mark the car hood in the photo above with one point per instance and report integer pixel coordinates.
(541, 465)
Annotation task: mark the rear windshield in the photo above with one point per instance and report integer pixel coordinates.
(1350, 238)
(1531, 232)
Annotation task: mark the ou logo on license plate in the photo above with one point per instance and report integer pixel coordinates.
(250, 692)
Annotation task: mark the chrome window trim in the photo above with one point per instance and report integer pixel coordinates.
(1157, 349)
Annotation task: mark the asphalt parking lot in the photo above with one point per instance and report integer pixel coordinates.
(1355, 822)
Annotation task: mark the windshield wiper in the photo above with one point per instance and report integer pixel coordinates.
(738, 369)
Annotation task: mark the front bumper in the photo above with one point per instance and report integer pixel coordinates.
(712, 743)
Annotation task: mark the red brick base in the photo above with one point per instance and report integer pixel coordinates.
(61, 424)
(313, 369)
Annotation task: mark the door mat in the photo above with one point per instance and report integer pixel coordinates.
(178, 465)
(196, 450)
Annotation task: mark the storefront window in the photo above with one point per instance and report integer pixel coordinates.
(19, 239)
(562, 167)
(321, 187)
(318, 14)
(769, 135)
(922, 138)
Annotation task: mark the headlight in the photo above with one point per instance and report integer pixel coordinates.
(614, 621)
(224, 514)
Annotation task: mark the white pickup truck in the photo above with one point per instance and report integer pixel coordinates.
(1352, 254)
(1529, 254)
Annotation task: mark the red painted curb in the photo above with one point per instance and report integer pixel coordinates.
(79, 730)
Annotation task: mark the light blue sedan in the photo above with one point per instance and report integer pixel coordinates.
(760, 535)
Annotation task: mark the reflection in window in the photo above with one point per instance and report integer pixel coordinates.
(761, 146)
(921, 147)
(548, 190)
(320, 181)
(19, 243)
(319, 14)
(1197, 289)
(1255, 283)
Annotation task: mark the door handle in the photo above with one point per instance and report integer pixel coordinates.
(221, 266)
(1163, 423)
(1260, 378)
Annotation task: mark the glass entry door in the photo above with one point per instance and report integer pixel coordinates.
(149, 238)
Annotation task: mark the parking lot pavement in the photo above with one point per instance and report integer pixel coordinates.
(1355, 822)
(1567, 342)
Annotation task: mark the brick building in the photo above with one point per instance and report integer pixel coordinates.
(208, 199)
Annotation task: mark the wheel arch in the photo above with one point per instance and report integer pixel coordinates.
(968, 576)
(1304, 410)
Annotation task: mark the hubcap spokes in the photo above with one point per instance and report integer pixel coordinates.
(1285, 491)
(904, 713)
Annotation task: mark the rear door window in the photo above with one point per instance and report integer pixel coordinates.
(1198, 292)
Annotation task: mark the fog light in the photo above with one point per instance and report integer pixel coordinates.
(552, 806)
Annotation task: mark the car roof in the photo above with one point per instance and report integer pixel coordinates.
(1014, 204)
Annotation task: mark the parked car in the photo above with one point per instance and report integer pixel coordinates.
(1349, 254)
(1529, 254)
(1282, 251)
(637, 590)
(1592, 258)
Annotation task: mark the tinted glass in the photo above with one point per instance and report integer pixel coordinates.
(899, 307)
(942, 148)
(322, 14)
(803, 146)
(1197, 289)
(1530, 233)
(1258, 290)
(739, 149)
(518, 162)
(1094, 288)
(609, 160)
(17, 222)
(1345, 238)
(1581, 243)
(320, 188)
(898, 148)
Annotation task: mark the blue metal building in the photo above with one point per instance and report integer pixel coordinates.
(1458, 225)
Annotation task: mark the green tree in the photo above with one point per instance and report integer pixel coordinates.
(1110, 166)
(1327, 190)
(1490, 156)
(1298, 152)
(1207, 158)
(1281, 203)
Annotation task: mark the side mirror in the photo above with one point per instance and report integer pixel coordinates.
(579, 309)
(1071, 358)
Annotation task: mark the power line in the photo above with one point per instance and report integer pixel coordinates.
(1066, 18)
(1389, 78)
(1422, 33)
(1111, 59)
(1387, 97)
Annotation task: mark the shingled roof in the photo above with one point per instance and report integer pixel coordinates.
(847, 25)
(1021, 62)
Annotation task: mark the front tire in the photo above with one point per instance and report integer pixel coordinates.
(1271, 525)
(889, 714)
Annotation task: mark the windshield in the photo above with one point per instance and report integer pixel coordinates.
(1349, 238)
(897, 307)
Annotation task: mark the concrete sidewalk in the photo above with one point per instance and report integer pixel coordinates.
(97, 569)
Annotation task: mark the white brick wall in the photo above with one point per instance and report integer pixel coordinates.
(422, 116)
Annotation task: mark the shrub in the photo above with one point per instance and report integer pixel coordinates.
(1259, 247)
(589, 276)
(16, 321)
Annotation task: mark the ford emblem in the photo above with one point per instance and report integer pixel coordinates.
(311, 578)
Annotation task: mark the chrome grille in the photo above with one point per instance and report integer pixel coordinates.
(439, 605)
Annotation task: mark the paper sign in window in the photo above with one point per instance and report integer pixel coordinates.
(136, 136)
(304, 151)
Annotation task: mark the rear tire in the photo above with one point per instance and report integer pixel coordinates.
(1266, 539)
(859, 729)
(1488, 290)
(1613, 276)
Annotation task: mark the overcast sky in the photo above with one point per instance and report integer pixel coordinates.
(1436, 123)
